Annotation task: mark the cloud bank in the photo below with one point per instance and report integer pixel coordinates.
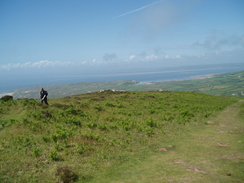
(217, 47)
(217, 42)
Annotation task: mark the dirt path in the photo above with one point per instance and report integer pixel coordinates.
(213, 153)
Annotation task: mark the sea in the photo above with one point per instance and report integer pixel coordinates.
(166, 74)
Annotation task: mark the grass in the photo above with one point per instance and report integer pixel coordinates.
(212, 153)
(110, 137)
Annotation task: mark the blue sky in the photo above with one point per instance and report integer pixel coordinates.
(76, 36)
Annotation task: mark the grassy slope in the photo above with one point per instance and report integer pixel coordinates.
(222, 84)
(212, 153)
(115, 137)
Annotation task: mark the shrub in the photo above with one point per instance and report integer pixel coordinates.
(72, 120)
(54, 137)
(151, 122)
(13, 121)
(47, 114)
(98, 108)
(80, 148)
(108, 104)
(36, 152)
(73, 111)
(103, 127)
(61, 133)
(54, 155)
(91, 136)
(22, 141)
(61, 106)
(207, 114)
(7, 98)
(65, 174)
(47, 138)
(148, 131)
(121, 106)
(92, 124)
(186, 113)
(113, 126)
(27, 101)
(241, 112)
(37, 115)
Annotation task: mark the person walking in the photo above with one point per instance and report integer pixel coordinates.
(43, 96)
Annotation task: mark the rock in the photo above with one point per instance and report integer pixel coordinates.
(162, 149)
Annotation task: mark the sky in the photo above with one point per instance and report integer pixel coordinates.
(65, 37)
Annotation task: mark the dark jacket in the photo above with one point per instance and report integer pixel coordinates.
(43, 93)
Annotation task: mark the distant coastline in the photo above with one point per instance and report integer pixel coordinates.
(204, 76)
(146, 83)
(139, 75)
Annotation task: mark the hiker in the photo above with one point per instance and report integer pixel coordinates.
(43, 96)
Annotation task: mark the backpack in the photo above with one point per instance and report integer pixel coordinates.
(46, 93)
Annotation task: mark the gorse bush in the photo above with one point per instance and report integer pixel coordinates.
(36, 151)
(54, 155)
(65, 174)
(242, 110)
(6, 98)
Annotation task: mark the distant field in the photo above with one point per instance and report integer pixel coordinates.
(229, 84)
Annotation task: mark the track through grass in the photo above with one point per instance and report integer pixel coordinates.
(213, 153)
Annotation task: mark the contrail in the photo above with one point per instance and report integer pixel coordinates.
(143, 7)
(132, 11)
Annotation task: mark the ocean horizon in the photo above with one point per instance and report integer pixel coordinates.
(170, 74)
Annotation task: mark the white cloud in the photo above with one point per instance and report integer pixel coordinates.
(220, 41)
(151, 58)
(144, 58)
(40, 64)
(132, 57)
(109, 57)
(167, 56)
(178, 57)
(84, 62)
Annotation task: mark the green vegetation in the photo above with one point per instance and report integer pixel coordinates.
(230, 84)
(105, 136)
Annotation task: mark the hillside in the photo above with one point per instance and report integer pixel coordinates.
(100, 136)
(228, 84)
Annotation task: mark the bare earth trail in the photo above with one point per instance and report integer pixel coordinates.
(212, 153)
